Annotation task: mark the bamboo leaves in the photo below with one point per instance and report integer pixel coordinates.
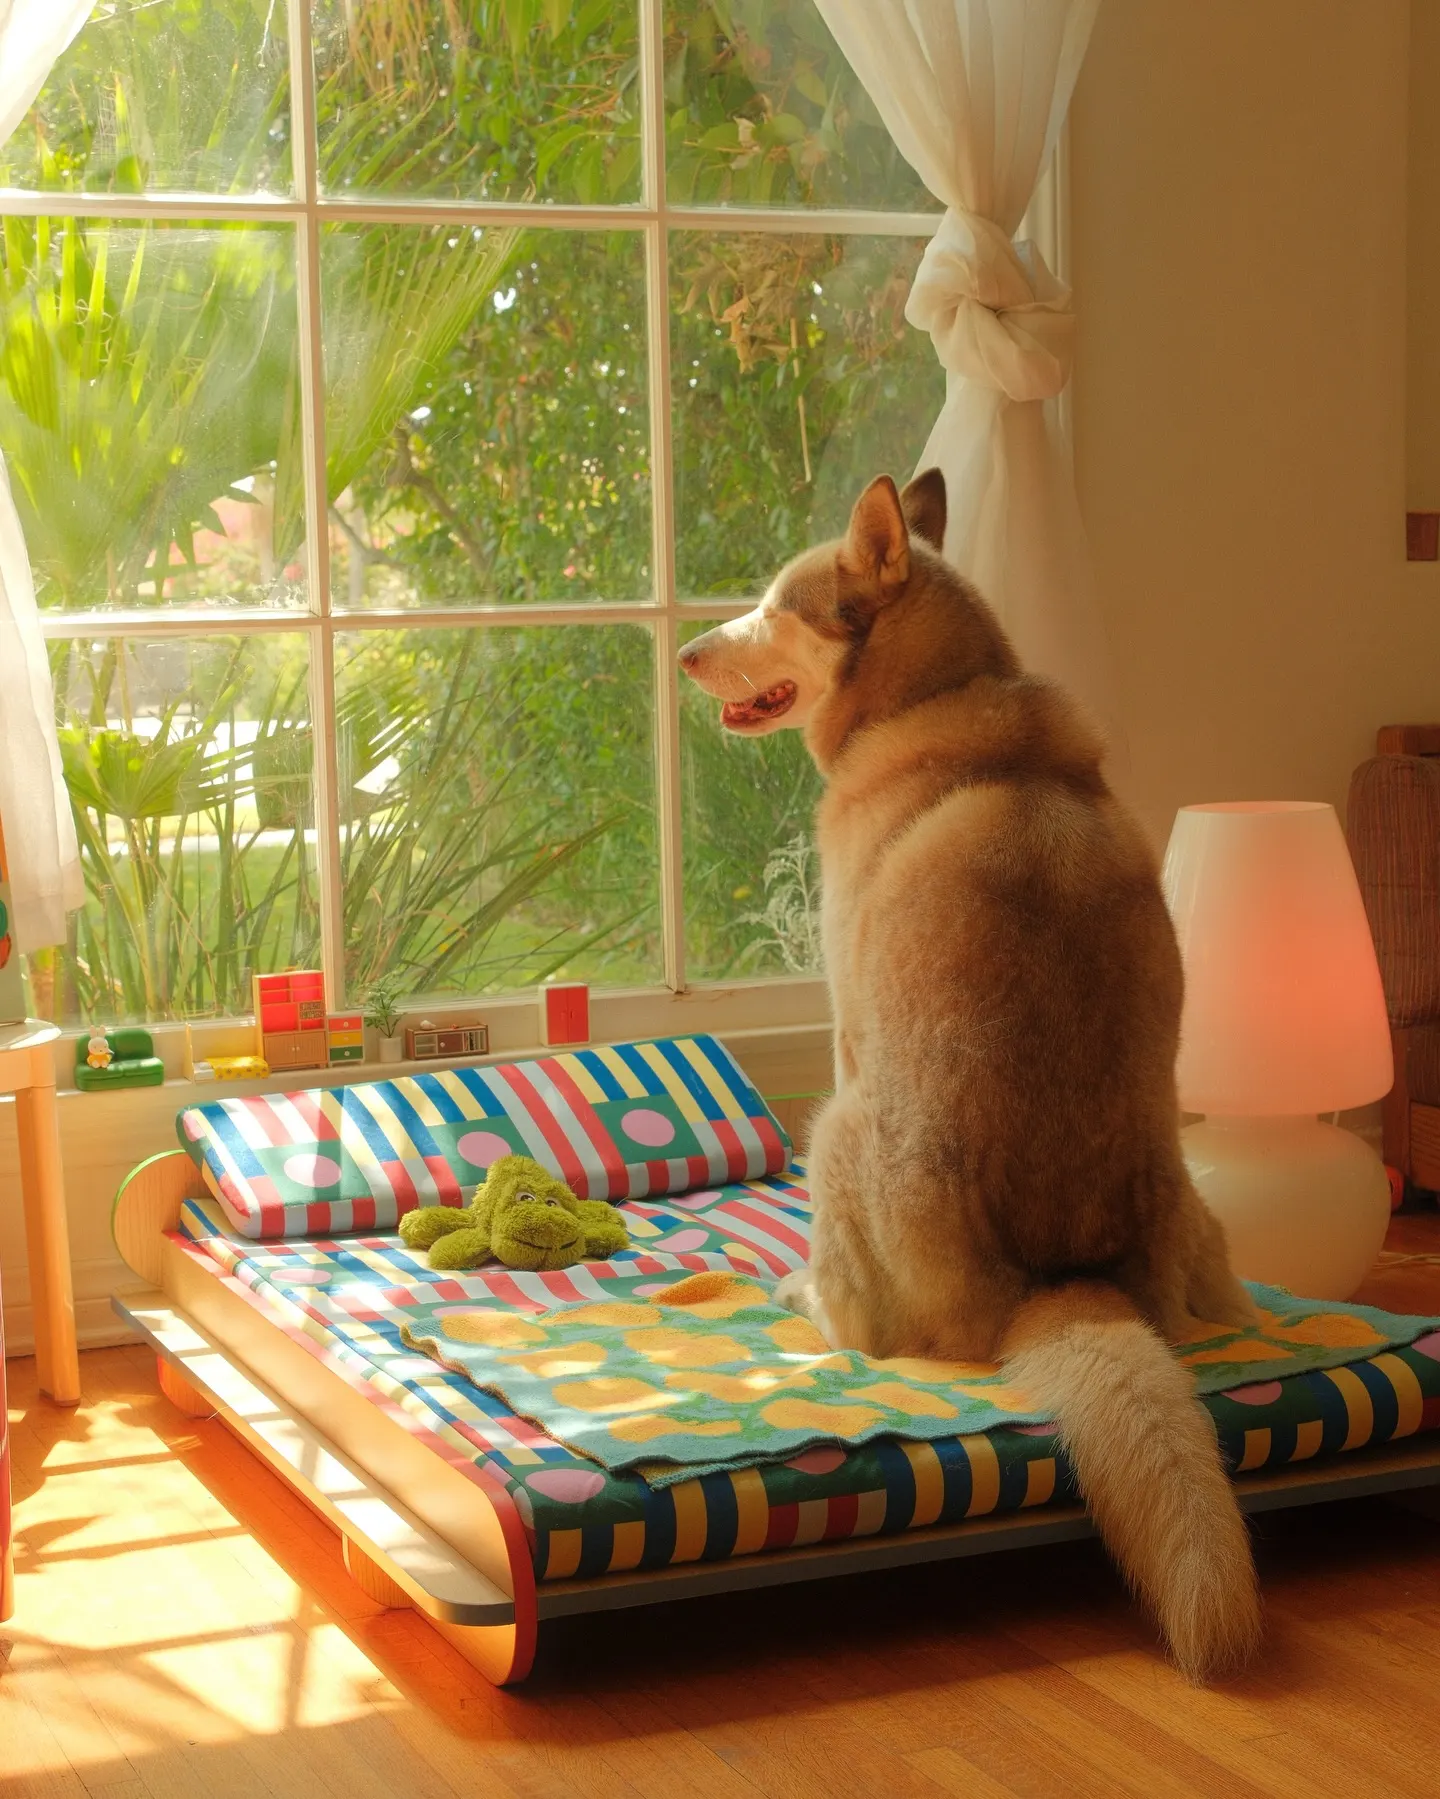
(186, 887)
(466, 833)
(124, 777)
(141, 376)
(456, 873)
(396, 300)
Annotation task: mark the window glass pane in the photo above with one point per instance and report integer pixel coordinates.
(486, 417)
(795, 380)
(188, 96)
(497, 807)
(494, 100)
(148, 411)
(762, 109)
(188, 766)
(752, 877)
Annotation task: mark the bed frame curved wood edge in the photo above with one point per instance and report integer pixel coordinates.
(448, 1537)
(441, 1530)
(148, 1204)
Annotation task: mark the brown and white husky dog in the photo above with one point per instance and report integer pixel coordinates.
(999, 1173)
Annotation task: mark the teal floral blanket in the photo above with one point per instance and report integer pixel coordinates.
(703, 1374)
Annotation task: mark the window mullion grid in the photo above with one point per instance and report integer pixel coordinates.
(650, 217)
(309, 213)
(323, 734)
(662, 484)
(542, 215)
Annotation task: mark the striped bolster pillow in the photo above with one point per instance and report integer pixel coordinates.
(626, 1122)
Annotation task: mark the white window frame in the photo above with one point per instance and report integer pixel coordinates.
(760, 1005)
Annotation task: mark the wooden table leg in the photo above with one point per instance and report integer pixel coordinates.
(7, 1564)
(43, 1190)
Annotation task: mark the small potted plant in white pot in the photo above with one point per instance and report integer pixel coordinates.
(382, 1014)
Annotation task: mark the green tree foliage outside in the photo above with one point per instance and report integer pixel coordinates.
(487, 442)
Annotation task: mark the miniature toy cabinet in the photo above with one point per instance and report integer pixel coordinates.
(426, 1042)
(564, 1013)
(290, 1019)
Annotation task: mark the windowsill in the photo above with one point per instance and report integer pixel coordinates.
(763, 1015)
(291, 1080)
(768, 1037)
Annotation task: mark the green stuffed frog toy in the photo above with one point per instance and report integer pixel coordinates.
(523, 1216)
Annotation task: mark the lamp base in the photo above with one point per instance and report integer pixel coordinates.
(1305, 1205)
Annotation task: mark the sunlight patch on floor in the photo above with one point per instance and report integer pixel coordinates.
(126, 1565)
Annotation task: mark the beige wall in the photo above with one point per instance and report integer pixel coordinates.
(1423, 384)
(1239, 222)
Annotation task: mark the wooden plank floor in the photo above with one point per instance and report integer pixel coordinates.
(185, 1629)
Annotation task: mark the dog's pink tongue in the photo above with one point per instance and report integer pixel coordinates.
(761, 705)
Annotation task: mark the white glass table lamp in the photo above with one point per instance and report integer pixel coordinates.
(1284, 1018)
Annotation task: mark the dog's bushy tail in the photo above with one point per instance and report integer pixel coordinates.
(1144, 1452)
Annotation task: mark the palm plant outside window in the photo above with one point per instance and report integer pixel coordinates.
(388, 387)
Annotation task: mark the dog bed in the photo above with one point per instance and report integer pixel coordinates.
(348, 1298)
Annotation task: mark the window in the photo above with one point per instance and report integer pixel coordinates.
(387, 388)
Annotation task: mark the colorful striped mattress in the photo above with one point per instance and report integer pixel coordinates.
(348, 1296)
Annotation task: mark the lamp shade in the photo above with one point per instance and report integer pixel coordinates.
(1284, 1011)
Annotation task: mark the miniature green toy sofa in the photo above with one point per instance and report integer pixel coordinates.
(281, 1289)
(133, 1062)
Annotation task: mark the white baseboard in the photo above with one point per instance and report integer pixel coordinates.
(96, 1327)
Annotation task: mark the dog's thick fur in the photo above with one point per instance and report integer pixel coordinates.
(999, 1172)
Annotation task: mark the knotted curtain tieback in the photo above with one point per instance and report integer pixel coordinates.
(994, 311)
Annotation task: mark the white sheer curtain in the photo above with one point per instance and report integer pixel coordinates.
(39, 830)
(974, 93)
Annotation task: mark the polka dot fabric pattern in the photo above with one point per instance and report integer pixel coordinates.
(626, 1122)
(347, 1299)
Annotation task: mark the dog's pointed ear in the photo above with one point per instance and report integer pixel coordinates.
(877, 543)
(923, 503)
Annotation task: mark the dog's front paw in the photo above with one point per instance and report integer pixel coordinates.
(796, 1293)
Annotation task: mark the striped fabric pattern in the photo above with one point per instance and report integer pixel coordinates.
(622, 1122)
(348, 1297)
